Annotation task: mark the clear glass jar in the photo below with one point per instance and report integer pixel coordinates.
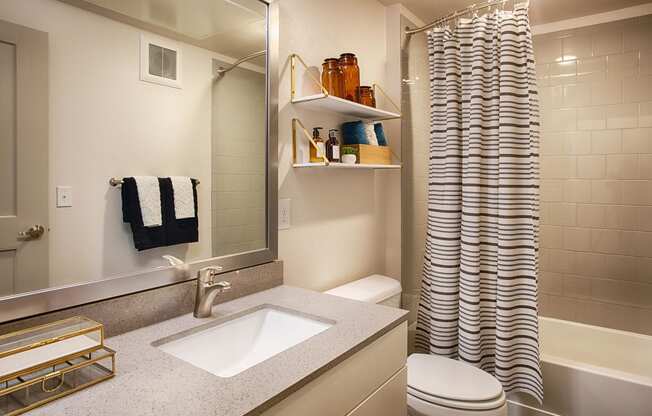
(351, 75)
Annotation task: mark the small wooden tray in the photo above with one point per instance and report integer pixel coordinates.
(372, 155)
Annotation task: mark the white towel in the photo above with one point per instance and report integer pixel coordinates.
(370, 132)
(184, 199)
(149, 197)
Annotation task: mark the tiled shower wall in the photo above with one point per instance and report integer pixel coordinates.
(415, 128)
(595, 86)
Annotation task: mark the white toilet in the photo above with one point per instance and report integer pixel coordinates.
(437, 386)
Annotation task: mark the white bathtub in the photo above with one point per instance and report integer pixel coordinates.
(590, 371)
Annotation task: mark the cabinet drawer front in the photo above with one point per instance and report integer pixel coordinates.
(339, 390)
(389, 400)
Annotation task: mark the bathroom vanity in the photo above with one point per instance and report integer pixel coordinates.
(356, 366)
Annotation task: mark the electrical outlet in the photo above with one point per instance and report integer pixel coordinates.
(64, 196)
(283, 214)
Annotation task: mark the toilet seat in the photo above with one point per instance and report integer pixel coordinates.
(452, 384)
(458, 405)
(419, 407)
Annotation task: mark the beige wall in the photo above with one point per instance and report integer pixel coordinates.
(338, 229)
(392, 183)
(596, 174)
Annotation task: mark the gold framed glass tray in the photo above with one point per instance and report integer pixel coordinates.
(26, 392)
(23, 352)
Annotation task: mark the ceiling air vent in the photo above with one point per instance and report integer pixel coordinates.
(160, 61)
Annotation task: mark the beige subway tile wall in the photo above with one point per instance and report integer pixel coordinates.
(238, 155)
(595, 87)
(415, 128)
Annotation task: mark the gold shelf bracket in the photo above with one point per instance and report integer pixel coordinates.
(375, 86)
(298, 125)
(293, 76)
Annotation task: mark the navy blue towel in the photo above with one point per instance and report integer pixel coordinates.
(353, 132)
(177, 231)
(380, 134)
(172, 231)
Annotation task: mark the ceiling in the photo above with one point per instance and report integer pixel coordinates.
(541, 11)
(231, 27)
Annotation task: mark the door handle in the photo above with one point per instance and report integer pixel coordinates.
(32, 233)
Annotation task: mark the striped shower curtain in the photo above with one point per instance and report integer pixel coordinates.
(479, 287)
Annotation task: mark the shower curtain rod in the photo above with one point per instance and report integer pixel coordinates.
(472, 8)
(222, 71)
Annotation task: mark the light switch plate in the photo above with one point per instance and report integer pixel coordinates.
(64, 196)
(284, 213)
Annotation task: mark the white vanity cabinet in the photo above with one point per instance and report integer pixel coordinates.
(371, 382)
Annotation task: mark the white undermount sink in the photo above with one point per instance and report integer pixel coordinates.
(233, 346)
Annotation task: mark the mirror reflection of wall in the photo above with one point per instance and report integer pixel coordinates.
(105, 117)
(239, 160)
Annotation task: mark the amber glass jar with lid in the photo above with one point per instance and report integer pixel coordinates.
(332, 77)
(365, 95)
(351, 75)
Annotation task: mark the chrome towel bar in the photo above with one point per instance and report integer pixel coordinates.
(118, 181)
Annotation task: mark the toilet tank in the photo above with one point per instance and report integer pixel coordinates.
(376, 288)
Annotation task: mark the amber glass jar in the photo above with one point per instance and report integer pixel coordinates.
(365, 96)
(351, 73)
(332, 78)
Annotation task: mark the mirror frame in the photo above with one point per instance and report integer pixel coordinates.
(28, 304)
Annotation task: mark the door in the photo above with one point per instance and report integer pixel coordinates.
(23, 159)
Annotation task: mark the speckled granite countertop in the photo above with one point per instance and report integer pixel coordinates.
(151, 382)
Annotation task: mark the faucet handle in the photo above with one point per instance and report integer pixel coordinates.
(223, 285)
(207, 274)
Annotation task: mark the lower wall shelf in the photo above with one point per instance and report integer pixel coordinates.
(299, 129)
(336, 165)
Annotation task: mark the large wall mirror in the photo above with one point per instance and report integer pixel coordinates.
(94, 93)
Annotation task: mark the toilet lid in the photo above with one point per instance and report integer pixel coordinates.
(374, 289)
(425, 404)
(449, 379)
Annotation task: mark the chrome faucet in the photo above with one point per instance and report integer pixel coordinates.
(207, 289)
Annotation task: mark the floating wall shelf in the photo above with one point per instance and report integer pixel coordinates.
(327, 102)
(298, 129)
(323, 102)
(337, 165)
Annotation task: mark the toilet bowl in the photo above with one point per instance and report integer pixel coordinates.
(437, 386)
